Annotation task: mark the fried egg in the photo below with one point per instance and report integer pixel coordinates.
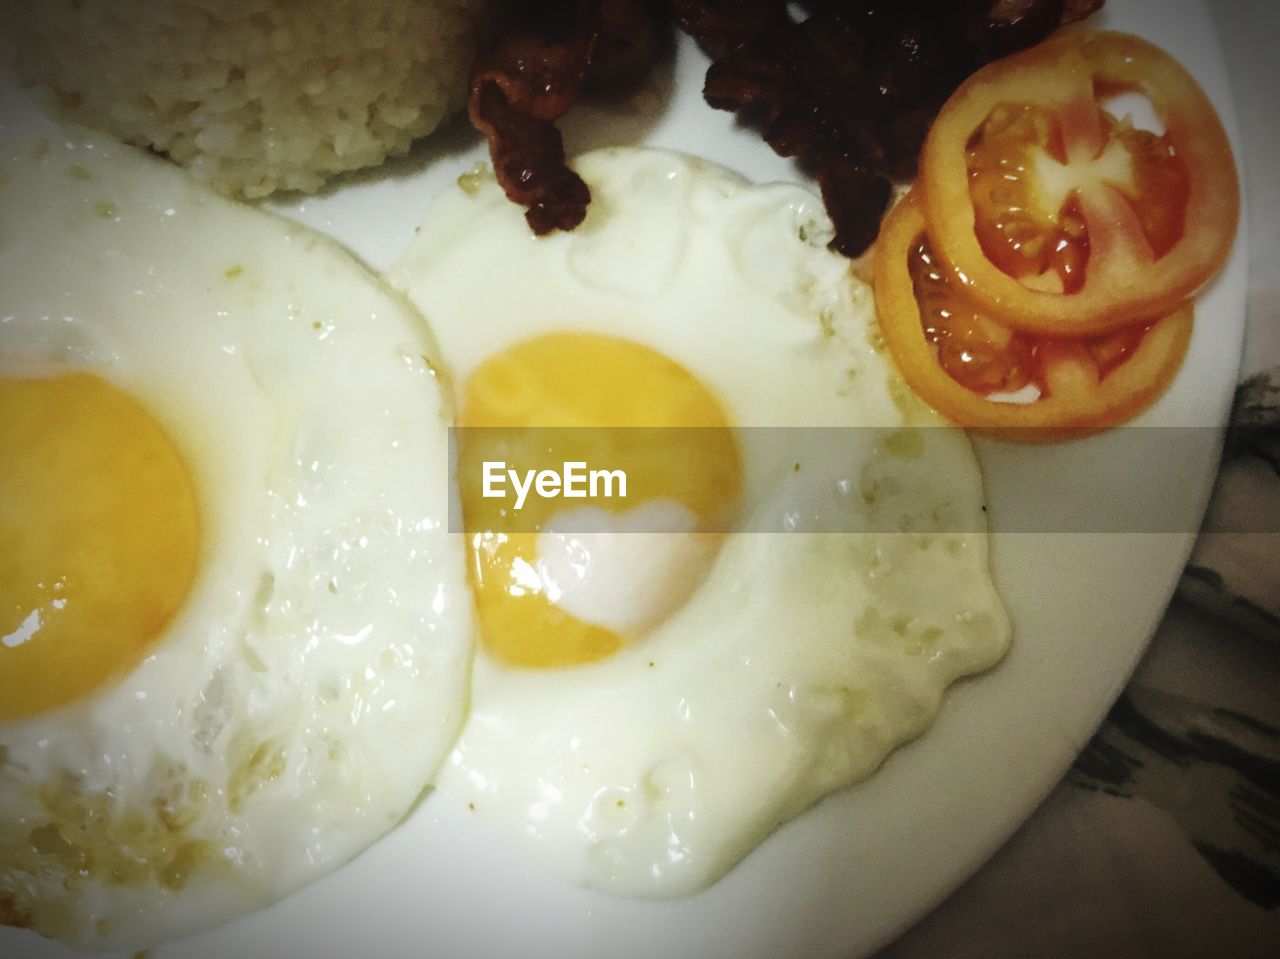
(663, 679)
(236, 633)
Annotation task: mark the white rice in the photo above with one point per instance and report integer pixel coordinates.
(253, 96)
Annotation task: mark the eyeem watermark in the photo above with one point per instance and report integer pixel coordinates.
(574, 481)
(847, 479)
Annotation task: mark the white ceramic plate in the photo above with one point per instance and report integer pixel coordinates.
(861, 866)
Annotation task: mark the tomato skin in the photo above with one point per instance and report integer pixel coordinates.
(1087, 384)
(1152, 242)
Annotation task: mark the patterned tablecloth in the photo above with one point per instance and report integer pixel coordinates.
(1163, 840)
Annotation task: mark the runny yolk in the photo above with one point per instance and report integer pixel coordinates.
(570, 396)
(99, 538)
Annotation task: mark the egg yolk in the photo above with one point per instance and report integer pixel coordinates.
(99, 536)
(569, 397)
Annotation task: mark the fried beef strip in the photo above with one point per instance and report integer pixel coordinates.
(527, 81)
(631, 35)
(547, 53)
(852, 89)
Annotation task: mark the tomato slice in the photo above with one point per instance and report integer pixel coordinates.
(1063, 220)
(965, 364)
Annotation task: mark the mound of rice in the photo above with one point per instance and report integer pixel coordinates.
(253, 96)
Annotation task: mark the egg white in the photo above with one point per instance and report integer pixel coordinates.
(805, 656)
(299, 703)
